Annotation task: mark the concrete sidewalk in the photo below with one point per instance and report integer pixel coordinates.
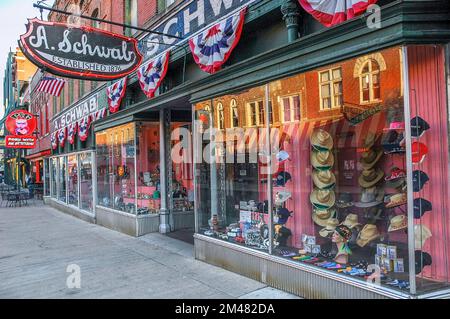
(38, 243)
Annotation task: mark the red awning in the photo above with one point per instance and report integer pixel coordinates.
(38, 155)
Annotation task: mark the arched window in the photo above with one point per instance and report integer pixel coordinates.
(220, 116)
(234, 113)
(369, 80)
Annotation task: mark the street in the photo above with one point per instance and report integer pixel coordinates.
(38, 243)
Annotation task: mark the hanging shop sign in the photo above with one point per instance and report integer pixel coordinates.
(79, 52)
(192, 17)
(357, 114)
(86, 108)
(21, 124)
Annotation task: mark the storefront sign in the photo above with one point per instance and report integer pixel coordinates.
(74, 114)
(188, 20)
(356, 115)
(79, 52)
(21, 123)
(13, 141)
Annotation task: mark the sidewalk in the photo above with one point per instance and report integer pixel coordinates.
(38, 243)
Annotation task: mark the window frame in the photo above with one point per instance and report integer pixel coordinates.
(220, 116)
(370, 73)
(331, 82)
(291, 108)
(234, 106)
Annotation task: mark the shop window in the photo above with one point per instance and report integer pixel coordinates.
(86, 196)
(339, 182)
(62, 179)
(47, 177)
(290, 108)
(220, 116)
(234, 114)
(53, 177)
(72, 185)
(370, 82)
(330, 89)
(148, 169)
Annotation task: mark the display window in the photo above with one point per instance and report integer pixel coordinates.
(328, 182)
(182, 178)
(53, 177)
(86, 191)
(148, 169)
(72, 184)
(62, 179)
(46, 177)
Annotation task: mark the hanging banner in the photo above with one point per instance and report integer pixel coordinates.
(62, 136)
(79, 52)
(83, 128)
(99, 115)
(212, 47)
(21, 124)
(72, 131)
(332, 12)
(115, 94)
(152, 74)
(75, 113)
(54, 140)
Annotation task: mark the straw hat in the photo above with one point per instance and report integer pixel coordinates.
(397, 200)
(370, 177)
(370, 140)
(324, 179)
(322, 159)
(351, 221)
(323, 198)
(329, 228)
(368, 233)
(370, 158)
(321, 140)
(398, 222)
(321, 216)
(421, 234)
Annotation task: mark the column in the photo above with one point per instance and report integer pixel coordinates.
(290, 12)
(164, 213)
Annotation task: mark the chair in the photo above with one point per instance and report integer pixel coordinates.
(13, 199)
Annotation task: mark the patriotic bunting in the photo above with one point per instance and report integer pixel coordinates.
(83, 128)
(62, 136)
(152, 74)
(212, 47)
(99, 115)
(332, 12)
(115, 94)
(72, 128)
(54, 140)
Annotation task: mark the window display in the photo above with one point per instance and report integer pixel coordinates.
(53, 177)
(148, 169)
(337, 172)
(46, 177)
(86, 195)
(72, 185)
(62, 179)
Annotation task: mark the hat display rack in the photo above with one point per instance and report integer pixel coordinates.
(323, 197)
(421, 232)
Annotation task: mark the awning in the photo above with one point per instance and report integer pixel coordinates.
(38, 155)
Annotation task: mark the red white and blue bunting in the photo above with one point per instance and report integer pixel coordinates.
(99, 115)
(62, 136)
(212, 47)
(83, 128)
(54, 140)
(332, 12)
(115, 94)
(151, 74)
(72, 131)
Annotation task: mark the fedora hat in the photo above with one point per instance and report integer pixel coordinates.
(370, 158)
(370, 197)
(421, 206)
(396, 173)
(367, 234)
(329, 227)
(420, 178)
(322, 159)
(324, 179)
(282, 156)
(323, 198)
(418, 126)
(419, 151)
(345, 200)
(370, 177)
(321, 216)
(396, 200)
(351, 221)
(396, 183)
(370, 140)
(422, 259)
(421, 234)
(282, 197)
(321, 140)
(398, 222)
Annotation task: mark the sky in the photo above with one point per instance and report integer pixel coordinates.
(13, 17)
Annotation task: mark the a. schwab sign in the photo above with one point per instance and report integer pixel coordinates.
(192, 17)
(75, 113)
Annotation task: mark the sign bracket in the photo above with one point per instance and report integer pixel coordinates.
(41, 7)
